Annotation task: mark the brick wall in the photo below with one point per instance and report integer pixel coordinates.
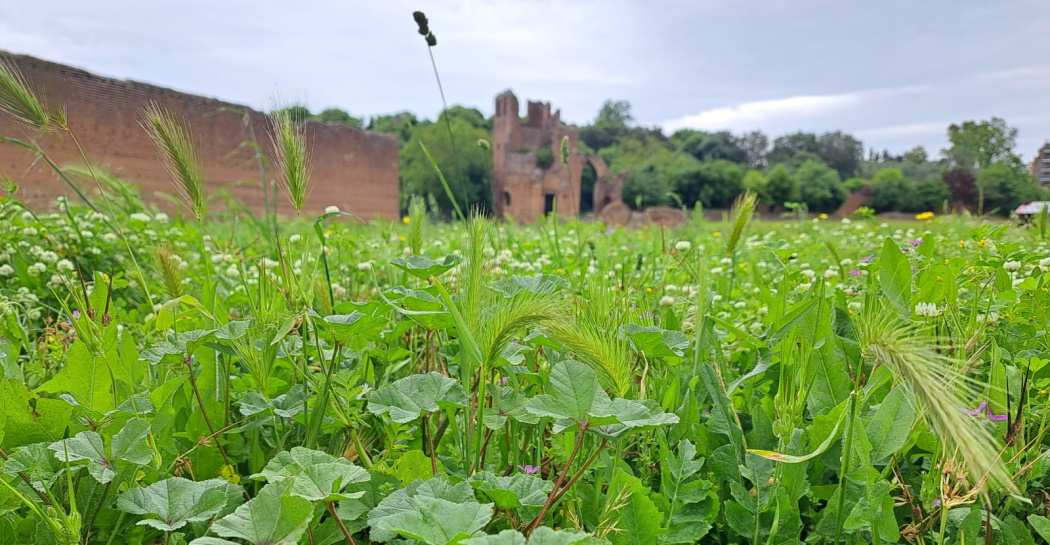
(352, 169)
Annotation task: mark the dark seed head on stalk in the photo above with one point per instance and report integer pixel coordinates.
(421, 20)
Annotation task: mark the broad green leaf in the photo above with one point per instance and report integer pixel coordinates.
(174, 502)
(542, 536)
(86, 446)
(422, 267)
(273, 517)
(691, 503)
(889, 429)
(28, 419)
(345, 327)
(233, 330)
(404, 501)
(895, 275)
(88, 378)
(630, 414)
(131, 443)
(509, 403)
(539, 284)
(423, 306)
(572, 388)
(1041, 525)
(438, 522)
(656, 342)
(36, 461)
(517, 490)
(416, 395)
(315, 475)
(640, 520)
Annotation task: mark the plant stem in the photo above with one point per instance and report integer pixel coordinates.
(342, 527)
(557, 485)
(847, 450)
(204, 412)
(430, 441)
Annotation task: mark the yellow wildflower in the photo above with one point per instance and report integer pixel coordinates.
(717, 234)
(823, 216)
(406, 220)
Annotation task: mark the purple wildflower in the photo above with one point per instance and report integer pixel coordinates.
(854, 272)
(915, 242)
(867, 259)
(937, 501)
(502, 381)
(529, 470)
(984, 408)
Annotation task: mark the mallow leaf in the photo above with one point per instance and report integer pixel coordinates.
(273, 517)
(174, 502)
(37, 462)
(517, 490)
(344, 327)
(404, 501)
(315, 475)
(631, 415)
(656, 342)
(86, 446)
(422, 267)
(572, 389)
(438, 522)
(542, 536)
(416, 395)
(131, 443)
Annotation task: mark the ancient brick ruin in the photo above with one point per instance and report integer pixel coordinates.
(523, 187)
(352, 169)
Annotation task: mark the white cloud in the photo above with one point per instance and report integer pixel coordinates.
(906, 130)
(763, 113)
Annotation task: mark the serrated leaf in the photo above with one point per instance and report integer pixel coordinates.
(131, 444)
(174, 502)
(656, 342)
(571, 391)
(273, 517)
(542, 536)
(37, 461)
(345, 327)
(415, 395)
(439, 522)
(640, 520)
(403, 501)
(232, 330)
(315, 475)
(88, 378)
(29, 419)
(86, 446)
(517, 490)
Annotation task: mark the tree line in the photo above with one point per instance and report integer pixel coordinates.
(979, 169)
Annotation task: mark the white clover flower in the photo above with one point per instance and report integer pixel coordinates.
(927, 310)
(717, 271)
(725, 262)
(683, 245)
(990, 318)
(809, 273)
(109, 238)
(338, 291)
(671, 288)
(666, 300)
(855, 306)
(407, 251)
(1044, 264)
(364, 266)
(804, 286)
(139, 216)
(268, 263)
(1012, 265)
(846, 262)
(161, 217)
(846, 221)
(232, 271)
(831, 273)
(36, 269)
(30, 231)
(6, 270)
(294, 238)
(65, 265)
(331, 210)
(739, 304)
(49, 256)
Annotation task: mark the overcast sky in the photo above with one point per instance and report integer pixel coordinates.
(893, 72)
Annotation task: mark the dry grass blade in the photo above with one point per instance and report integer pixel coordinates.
(292, 157)
(175, 143)
(935, 384)
(743, 209)
(18, 99)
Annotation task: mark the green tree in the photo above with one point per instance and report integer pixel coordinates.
(336, 115)
(891, 191)
(1005, 187)
(930, 196)
(713, 146)
(714, 184)
(787, 146)
(916, 155)
(756, 147)
(296, 112)
(820, 187)
(614, 113)
(467, 167)
(472, 116)
(841, 152)
(976, 145)
(645, 188)
(399, 124)
(782, 185)
(756, 182)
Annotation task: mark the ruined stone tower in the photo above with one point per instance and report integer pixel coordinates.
(527, 181)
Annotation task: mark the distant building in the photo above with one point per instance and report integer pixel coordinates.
(1028, 210)
(1041, 165)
